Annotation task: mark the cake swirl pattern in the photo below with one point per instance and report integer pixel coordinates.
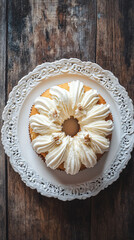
(87, 143)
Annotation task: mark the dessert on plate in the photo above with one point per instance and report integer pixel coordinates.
(70, 127)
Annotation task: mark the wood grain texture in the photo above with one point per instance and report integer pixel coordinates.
(40, 31)
(113, 209)
(46, 30)
(3, 224)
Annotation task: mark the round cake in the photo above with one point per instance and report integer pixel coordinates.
(70, 127)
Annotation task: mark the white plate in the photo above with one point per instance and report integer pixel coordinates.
(15, 134)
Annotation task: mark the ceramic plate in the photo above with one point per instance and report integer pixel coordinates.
(15, 134)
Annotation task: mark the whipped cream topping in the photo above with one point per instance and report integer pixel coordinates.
(78, 153)
(83, 147)
(76, 92)
(62, 100)
(44, 143)
(89, 99)
(41, 124)
(44, 105)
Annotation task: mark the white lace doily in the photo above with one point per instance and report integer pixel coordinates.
(15, 135)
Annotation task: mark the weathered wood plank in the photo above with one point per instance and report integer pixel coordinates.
(40, 31)
(113, 209)
(3, 223)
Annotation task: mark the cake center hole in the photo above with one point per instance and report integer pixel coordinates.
(71, 126)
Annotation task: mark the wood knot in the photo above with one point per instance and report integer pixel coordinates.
(62, 12)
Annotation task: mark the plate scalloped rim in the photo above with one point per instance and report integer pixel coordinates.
(9, 133)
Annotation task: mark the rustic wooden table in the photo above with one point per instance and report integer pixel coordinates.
(35, 31)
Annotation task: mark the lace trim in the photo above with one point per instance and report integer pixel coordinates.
(10, 118)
